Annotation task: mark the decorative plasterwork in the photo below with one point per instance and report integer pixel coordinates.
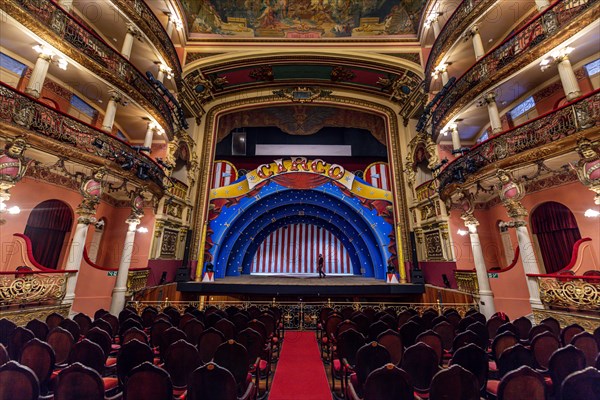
(302, 94)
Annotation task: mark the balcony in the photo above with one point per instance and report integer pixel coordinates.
(544, 131)
(555, 25)
(466, 281)
(49, 21)
(139, 12)
(571, 292)
(67, 135)
(33, 287)
(464, 15)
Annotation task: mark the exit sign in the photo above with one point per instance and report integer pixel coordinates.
(112, 273)
(492, 274)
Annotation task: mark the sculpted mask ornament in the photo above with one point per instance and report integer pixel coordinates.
(511, 194)
(137, 205)
(13, 163)
(588, 168)
(91, 189)
(467, 206)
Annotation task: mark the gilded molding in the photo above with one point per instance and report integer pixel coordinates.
(23, 315)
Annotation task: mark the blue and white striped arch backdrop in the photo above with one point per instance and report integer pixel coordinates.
(294, 249)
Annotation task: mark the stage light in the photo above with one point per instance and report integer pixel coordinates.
(462, 232)
(142, 172)
(591, 213)
(127, 164)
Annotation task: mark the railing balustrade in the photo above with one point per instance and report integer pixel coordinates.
(137, 280)
(518, 45)
(32, 287)
(23, 111)
(583, 113)
(466, 281)
(571, 292)
(92, 47)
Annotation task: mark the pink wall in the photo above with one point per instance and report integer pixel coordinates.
(433, 271)
(157, 267)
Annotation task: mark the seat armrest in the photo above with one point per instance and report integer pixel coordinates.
(352, 393)
(249, 393)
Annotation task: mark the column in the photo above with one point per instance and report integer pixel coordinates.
(170, 25)
(486, 296)
(529, 263)
(435, 25)
(541, 5)
(111, 110)
(38, 75)
(492, 107)
(477, 43)
(76, 255)
(96, 238)
(118, 294)
(162, 71)
(149, 135)
(455, 138)
(132, 32)
(568, 78)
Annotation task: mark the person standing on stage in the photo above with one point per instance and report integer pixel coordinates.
(320, 263)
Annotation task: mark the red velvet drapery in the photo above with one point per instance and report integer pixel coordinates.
(47, 226)
(556, 230)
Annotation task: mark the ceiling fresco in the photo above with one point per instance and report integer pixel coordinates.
(303, 19)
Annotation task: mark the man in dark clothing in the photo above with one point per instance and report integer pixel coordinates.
(320, 263)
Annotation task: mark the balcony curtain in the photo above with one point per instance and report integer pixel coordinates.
(47, 227)
(556, 230)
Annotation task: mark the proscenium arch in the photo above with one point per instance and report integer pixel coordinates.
(344, 99)
(231, 247)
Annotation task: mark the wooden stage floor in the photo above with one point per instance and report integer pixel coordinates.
(298, 285)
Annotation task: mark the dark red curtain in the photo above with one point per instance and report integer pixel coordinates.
(556, 230)
(47, 226)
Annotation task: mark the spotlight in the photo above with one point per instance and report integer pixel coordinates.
(142, 172)
(140, 148)
(127, 164)
(164, 164)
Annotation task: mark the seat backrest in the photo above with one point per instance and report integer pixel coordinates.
(392, 341)
(128, 324)
(148, 316)
(89, 354)
(433, 340)
(331, 324)
(148, 382)
(39, 328)
(409, 332)
(6, 328)
(553, 324)
(99, 313)
(240, 321)
(269, 321)
(388, 382)
(465, 338)
(114, 323)
(536, 330)
(482, 332)
(181, 359)
(78, 382)
(104, 325)
(493, 324)
(586, 342)
(348, 343)
(72, 327)
(253, 343)
(454, 383)
(362, 323)
(389, 320)
(508, 327)
(420, 362)
(19, 337)
(368, 358)
(84, 322)
(543, 345)
(376, 328)
(515, 357)
(102, 338)
(4, 357)
(344, 326)
(523, 325)
(465, 322)
(61, 342)
(259, 327)
(502, 342)
(523, 383)
(193, 329)
(212, 382)
(569, 332)
(447, 332)
(38, 356)
(173, 313)
(171, 335)
(564, 362)
(226, 327)
(185, 318)
(130, 356)
(53, 320)
(475, 360)
(156, 331)
(134, 333)
(584, 384)
(208, 342)
(18, 382)
(233, 357)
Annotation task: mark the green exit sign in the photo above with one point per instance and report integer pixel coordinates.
(112, 273)
(492, 274)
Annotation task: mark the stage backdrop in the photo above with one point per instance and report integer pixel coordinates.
(294, 249)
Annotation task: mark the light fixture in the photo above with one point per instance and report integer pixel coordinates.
(431, 19)
(43, 50)
(556, 56)
(178, 23)
(142, 229)
(61, 62)
(440, 69)
(462, 232)
(14, 210)
(591, 213)
(166, 70)
(449, 128)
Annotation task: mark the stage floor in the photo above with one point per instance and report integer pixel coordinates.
(298, 285)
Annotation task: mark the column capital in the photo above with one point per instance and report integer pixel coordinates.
(133, 221)
(490, 97)
(117, 97)
(134, 31)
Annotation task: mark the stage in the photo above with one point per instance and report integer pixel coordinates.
(299, 286)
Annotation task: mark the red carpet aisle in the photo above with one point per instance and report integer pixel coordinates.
(300, 374)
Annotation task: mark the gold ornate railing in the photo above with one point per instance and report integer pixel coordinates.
(61, 30)
(580, 293)
(305, 315)
(466, 281)
(19, 288)
(555, 24)
(581, 114)
(426, 190)
(137, 280)
(179, 189)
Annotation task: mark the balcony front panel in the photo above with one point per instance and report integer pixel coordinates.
(62, 31)
(541, 134)
(32, 288)
(571, 294)
(64, 135)
(465, 14)
(548, 30)
(139, 12)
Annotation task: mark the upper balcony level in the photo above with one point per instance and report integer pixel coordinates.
(49, 24)
(514, 63)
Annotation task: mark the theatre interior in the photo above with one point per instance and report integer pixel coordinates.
(300, 199)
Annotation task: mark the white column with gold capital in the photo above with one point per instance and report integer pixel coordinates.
(118, 294)
(132, 33)
(530, 265)
(111, 110)
(567, 78)
(455, 138)
(38, 74)
(477, 42)
(492, 107)
(76, 255)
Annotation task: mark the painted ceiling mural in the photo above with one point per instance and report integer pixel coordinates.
(303, 19)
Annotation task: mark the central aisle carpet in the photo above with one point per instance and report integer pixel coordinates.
(300, 374)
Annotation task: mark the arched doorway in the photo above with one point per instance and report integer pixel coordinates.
(47, 226)
(556, 230)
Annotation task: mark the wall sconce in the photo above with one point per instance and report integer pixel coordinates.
(142, 229)
(591, 213)
(555, 56)
(462, 232)
(431, 19)
(439, 70)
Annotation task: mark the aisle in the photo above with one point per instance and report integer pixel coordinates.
(300, 374)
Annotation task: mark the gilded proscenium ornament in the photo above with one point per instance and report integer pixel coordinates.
(13, 166)
(511, 193)
(588, 167)
(91, 189)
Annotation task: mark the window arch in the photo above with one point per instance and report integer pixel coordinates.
(556, 230)
(47, 227)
